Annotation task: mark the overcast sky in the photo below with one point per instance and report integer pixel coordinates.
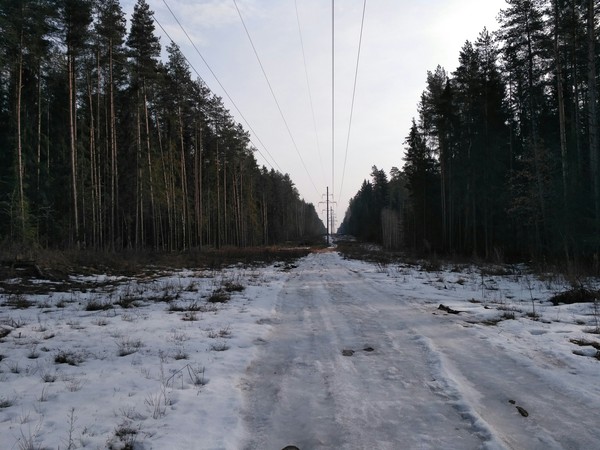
(401, 41)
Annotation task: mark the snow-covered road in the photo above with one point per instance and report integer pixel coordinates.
(326, 353)
(361, 361)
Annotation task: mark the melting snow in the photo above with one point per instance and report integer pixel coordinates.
(332, 353)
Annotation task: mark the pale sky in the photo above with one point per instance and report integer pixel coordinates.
(401, 41)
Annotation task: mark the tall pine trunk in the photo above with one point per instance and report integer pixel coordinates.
(592, 113)
(561, 102)
(150, 174)
(139, 197)
(73, 145)
(92, 166)
(562, 126)
(183, 175)
(114, 169)
(198, 187)
(534, 140)
(166, 239)
(20, 165)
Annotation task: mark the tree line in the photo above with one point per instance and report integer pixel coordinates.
(503, 156)
(105, 146)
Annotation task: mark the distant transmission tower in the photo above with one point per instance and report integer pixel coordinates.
(329, 214)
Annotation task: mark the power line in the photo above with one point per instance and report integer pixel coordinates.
(220, 84)
(273, 94)
(353, 96)
(332, 96)
(184, 57)
(312, 108)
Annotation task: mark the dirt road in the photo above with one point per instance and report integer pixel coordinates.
(354, 361)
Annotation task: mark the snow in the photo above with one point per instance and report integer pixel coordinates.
(268, 368)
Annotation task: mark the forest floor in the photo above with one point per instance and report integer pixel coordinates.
(322, 352)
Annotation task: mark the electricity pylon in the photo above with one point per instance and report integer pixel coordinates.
(328, 212)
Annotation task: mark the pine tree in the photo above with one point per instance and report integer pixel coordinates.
(481, 145)
(75, 19)
(25, 28)
(525, 53)
(594, 139)
(468, 156)
(145, 50)
(437, 121)
(110, 39)
(494, 139)
(421, 179)
(380, 201)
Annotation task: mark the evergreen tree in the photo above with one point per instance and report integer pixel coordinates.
(144, 53)
(105, 154)
(75, 19)
(393, 214)
(481, 147)
(111, 77)
(380, 192)
(593, 126)
(422, 176)
(525, 52)
(26, 28)
(437, 122)
(504, 159)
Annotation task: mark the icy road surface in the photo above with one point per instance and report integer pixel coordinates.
(330, 354)
(359, 360)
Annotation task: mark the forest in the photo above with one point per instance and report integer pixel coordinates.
(502, 157)
(105, 146)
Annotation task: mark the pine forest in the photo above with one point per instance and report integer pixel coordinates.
(105, 146)
(502, 157)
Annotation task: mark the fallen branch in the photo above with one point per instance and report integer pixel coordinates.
(448, 309)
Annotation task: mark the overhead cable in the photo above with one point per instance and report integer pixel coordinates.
(332, 97)
(353, 96)
(312, 108)
(274, 96)
(221, 85)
